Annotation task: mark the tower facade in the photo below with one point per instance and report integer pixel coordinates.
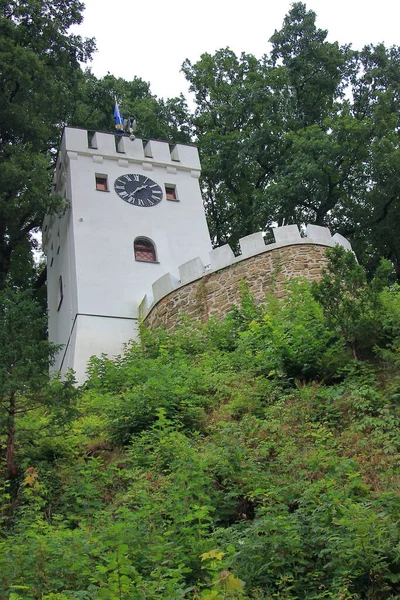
(135, 213)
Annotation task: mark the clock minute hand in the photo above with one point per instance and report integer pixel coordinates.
(142, 187)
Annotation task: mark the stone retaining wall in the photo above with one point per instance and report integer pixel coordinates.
(215, 293)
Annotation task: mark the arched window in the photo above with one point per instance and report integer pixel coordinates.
(144, 250)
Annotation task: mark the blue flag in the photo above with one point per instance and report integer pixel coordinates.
(119, 119)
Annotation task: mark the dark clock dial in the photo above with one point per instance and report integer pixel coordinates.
(138, 190)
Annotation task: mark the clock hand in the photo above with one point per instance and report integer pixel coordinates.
(142, 187)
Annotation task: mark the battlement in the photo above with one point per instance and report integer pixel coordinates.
(223, 257)
(108, 145)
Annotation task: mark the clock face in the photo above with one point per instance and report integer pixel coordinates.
(138, 190)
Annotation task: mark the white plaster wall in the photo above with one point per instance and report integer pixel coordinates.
(62, 263)
(97, 335)
(109, 280)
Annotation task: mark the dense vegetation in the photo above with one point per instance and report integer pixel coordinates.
(249, 458)
(253, 457)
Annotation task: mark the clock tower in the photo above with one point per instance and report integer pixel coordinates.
(135, 213)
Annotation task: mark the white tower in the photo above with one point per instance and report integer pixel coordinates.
(135, 213)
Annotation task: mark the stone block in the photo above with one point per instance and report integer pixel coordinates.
(252, 244)
(105, 143)
(163, 286)
(319, 235)
(287, 234)
(75, 139)
(143, 309)
(188, 156)
(339, 240)
(221, 257)
(132, 148)
(193, 269)
(159, 151)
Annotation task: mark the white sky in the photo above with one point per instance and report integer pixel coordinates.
(151, 39)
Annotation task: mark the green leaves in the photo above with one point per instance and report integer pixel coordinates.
(212, 462)
(38, 80)
(306, 134)
(25, 357)
(352, 306)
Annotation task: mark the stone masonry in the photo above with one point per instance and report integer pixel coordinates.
(213, 294)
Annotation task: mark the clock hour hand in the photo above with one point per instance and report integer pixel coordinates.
(141, 187)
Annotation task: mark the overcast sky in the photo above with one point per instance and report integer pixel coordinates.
(151, 39)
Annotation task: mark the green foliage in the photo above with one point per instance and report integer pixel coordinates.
(25, 357)
(308, 133)
(144, 385)
(291, 338)
(351, 306)
(248, 458)
(39, 78)
(156, 118)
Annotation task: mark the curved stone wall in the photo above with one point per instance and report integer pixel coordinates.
(215, 293)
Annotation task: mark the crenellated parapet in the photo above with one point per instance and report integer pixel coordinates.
(149, 153)
(263, 266)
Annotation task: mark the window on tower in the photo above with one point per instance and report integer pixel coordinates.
(170, 192)
(101, 183)
(144, 250)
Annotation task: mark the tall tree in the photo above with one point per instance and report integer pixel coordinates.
(246, 112)
(40, 73)
(224, 124)
(156, 118)
(308, 133)
(39, 76)
(315, 68)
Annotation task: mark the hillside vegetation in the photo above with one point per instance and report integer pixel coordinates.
(249, 458)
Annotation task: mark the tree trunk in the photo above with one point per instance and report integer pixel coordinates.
(10, 451)
(354, 351)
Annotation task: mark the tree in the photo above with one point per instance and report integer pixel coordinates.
(308, 133)
(246, 112)
(352, 307)
(25, 356)
(315, 68)
(233, 125)
(156, 118)
(40, 74)
(39, 77)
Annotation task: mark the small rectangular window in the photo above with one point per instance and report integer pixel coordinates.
(60, 293)
(101, 183)
(170, 192)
